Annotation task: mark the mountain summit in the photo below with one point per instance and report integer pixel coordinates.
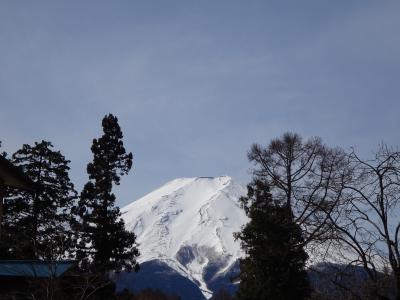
(188, 224)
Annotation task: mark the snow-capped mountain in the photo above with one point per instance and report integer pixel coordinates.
(188, 224)
(185, 234)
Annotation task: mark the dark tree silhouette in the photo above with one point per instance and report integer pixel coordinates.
(38, 225)
(367, 226)
(305, 175)
(274, 265)
(105, 245)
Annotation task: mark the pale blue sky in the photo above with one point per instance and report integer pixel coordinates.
(195, 83)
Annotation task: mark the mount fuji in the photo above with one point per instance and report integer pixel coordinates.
(185, 234)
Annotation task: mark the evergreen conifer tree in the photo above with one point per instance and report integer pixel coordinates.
(38, 225)
(105, 245)
(274, 265)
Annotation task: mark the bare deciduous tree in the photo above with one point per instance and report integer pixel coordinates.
(367, 221)
(340, 199)
(306, 175)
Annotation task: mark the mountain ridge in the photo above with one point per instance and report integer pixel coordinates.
(188, 224)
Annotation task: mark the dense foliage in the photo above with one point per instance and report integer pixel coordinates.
(105, 245)
(274, 265)
(38, 225)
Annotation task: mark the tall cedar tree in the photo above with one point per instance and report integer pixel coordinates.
(274, 266)
(38, 225)
(105, 245)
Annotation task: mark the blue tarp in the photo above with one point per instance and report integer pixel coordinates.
(34, 268)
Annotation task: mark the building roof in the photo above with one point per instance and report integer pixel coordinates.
(11, 175)
(34, 268)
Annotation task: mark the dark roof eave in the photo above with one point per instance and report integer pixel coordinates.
(14, 176)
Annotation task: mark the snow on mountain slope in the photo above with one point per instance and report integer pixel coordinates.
(188, 223)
